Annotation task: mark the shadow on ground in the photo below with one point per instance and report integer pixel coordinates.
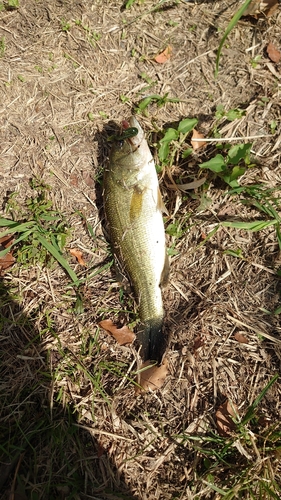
(44, 454)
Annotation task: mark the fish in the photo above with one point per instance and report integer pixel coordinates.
(133, 207)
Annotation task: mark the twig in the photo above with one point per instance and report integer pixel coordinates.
(229, 139)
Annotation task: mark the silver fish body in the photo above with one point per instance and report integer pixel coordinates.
(133, 207)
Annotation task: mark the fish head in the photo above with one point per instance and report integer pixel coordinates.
(130, 150)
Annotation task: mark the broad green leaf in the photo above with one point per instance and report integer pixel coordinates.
(233, 114)
(216, 164)
(13, 4)
(171, 135)
(187, 124)
(238, 152)
(232, 176)
(147, 100)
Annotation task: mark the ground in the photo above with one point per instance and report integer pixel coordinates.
(72, 426)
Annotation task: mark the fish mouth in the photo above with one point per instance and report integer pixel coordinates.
(136, 140)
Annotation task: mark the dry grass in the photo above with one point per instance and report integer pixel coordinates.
(71, 423)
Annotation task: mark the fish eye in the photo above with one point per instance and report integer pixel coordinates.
(120, 144)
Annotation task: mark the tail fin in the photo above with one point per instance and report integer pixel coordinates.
(153, 341)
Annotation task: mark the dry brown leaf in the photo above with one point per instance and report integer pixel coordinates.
(273, 53)
(7, 260)
(153, 377)
(241, 338)
(74, 180)
(79, 256)
(190, 185)
(88, 179)
(195, 144)
(225, 423)
(198, 342)
(164, 56)
(258, 8)
(122, 335)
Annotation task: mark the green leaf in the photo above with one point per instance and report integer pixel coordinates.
(220, 112)
(171, 135)
(147, 100)
(129, 3)
(187, 124)
(233, 114)
(216, 164)
(231, 177)
(13, 4)
(238, 152)
(187, 152)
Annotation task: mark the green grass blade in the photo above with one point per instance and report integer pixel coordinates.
(278, 234)
(215, 488)
(230, 26)
(22, 237)
(257, 401)
(256, 225)
(56, 254)
(14, 227)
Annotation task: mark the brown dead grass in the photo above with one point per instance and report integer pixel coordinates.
(50, 81)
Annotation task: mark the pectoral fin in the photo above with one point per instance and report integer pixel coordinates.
(160, 203)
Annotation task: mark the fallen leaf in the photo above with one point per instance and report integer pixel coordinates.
(6, 241)
(258, 8)
(74, 180)
(8, 259)
(273, 54)
(88, 179)
(122, 335)
(79, 256)
(195, 144)
(240, 338)
(191, 185)
(225, 423)
(164, 56)
(153, 377)
(198, 342)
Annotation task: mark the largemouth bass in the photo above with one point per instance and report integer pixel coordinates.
(133, 207)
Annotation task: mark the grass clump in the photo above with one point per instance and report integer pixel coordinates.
(40, 231)
(244, 464)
